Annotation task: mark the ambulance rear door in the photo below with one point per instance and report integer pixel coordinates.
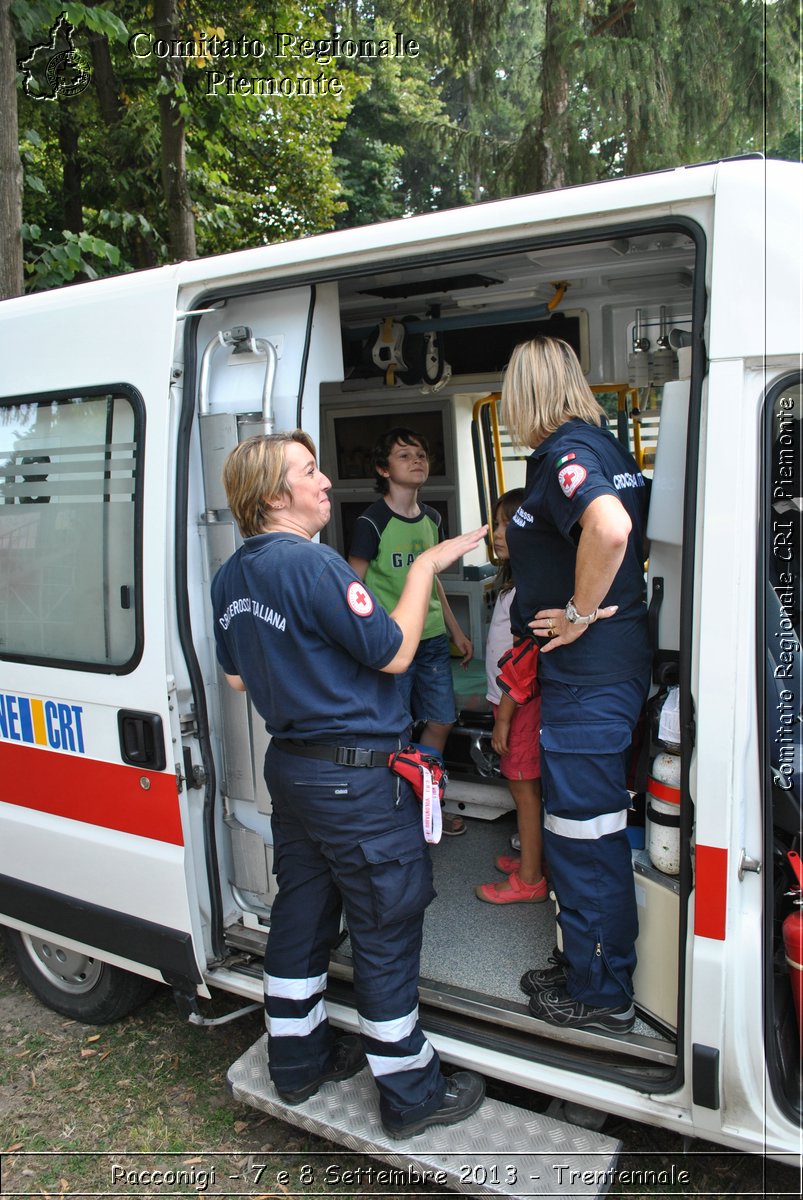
(94, 818)
(754, 348)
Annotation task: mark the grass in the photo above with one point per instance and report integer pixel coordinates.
(150, 1094)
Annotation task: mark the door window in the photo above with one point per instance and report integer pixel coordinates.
(69, 591)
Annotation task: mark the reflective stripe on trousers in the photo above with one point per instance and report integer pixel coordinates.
(586, 734)
(348, 839)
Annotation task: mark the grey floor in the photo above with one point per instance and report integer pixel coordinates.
(478, 946)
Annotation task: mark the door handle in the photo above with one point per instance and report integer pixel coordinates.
(141, 739)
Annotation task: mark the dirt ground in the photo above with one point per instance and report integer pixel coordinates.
(101, 1111)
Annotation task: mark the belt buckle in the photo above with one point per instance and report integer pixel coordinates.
(353, 756)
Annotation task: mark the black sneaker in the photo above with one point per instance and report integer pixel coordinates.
(558, 1008)
(348, 1057)
(544, 978)
(465, 1092)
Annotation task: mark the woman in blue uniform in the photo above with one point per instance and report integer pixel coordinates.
(298, 630)
(577, 554)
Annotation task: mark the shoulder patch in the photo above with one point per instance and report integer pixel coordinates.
(359, 599)
(570, 477)
(561, 462)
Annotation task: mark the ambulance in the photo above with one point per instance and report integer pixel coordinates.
(135, 841)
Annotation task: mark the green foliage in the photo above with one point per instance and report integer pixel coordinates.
(260, 168)
(52, 263)
(396, 107)
(35, 17)
(529, 94)
(789, 146)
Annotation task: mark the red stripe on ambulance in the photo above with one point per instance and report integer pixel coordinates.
(711, 891)
(110, 795)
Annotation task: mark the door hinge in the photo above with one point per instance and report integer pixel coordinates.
(193, 775)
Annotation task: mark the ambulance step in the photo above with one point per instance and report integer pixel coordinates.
(500, 1151)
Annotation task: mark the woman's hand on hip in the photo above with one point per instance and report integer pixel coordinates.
(553, 625)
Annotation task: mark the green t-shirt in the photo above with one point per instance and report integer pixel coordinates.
(391, 543)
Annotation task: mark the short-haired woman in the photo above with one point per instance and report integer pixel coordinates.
(300, 631)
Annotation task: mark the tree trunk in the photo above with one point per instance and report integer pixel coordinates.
(11, 273)
(180, 218)
(549, 165)
(71, 169)
(540, 159)
(111, 109)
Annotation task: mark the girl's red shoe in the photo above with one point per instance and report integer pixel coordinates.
(516, 893)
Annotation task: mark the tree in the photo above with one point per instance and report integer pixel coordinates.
(151, 163)
(525, 95)
(180, 219)
(147, 165)
(11, 274)
(634, 86)
(427, 130)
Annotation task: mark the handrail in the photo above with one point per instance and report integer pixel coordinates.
(483, 467)
(233, 340)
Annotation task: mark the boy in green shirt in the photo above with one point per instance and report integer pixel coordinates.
(387, 538)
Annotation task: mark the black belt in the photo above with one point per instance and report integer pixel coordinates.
(343, 756)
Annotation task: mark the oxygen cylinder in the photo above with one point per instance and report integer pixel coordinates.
(663, 359)
(663, 813)
(793, 944)
(639, 362)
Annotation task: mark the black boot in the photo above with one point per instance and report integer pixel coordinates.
(348, 1057)
(465, 1092)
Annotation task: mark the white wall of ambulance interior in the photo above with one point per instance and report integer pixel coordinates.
(120, 744)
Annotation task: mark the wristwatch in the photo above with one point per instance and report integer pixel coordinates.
(574, 617)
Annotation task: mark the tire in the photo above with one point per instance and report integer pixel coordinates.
(74, 984)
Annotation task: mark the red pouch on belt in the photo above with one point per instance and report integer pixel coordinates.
(518, 670)
(409, 762)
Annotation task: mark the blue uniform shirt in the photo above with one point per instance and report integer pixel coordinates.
(574, 465)
(308, 639)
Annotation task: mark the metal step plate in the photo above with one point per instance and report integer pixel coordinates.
(499, 1151)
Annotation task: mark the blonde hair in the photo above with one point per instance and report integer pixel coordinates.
(544, 387)
(255, 473)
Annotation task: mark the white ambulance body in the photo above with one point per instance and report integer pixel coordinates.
(134, 821)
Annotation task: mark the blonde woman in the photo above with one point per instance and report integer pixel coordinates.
(576, 546)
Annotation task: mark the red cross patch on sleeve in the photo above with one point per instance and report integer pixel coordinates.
(570, 478)
(359, 599)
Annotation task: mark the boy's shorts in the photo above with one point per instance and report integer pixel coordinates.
(523, 758)
(426, 686)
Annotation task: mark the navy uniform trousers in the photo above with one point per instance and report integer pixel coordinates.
(352, 835)
(586, 733)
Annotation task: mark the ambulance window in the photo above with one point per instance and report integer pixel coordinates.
(782, 602)
(68, 530)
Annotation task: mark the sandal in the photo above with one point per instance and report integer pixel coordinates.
(452, 826)
(518, 892)
(507, 863)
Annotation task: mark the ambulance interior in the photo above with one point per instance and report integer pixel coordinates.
(425, 344)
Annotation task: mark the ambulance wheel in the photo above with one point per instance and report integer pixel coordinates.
(72, 983)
